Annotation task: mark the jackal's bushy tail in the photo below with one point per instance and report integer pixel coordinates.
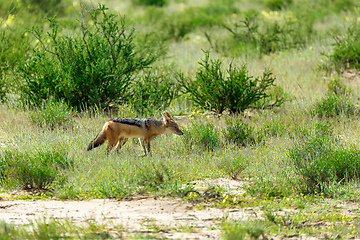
(100, 139)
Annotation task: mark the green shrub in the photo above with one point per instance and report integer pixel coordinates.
(51, 114)
(214, 90)
(332, 105)
(239, 132)
(157, 3)
(320, 159)
(335, 86)
(94, 68)
(260, 35)
(346, 50)
(154, 92)
(176, 26)
(201, 135)
(36, 168)
(277, 4)
(212, 14)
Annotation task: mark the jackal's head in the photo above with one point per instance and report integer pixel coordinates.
(171, 125)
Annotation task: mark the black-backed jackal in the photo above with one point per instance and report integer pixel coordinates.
(117, 131)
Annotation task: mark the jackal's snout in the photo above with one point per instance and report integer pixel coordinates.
(179, 132)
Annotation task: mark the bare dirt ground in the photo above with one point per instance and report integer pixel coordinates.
(176, 218)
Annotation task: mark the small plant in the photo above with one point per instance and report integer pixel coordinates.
(346, 50)
(232, 166)
(277, 4)
(157, 3)
(51, 114)
(332, 105)
(234, 230)
(156, 174)
(338, 101)
(336, 87)
(256, 34)
(37, 168)
(320, 159)
(202, 135)
(214, 90)
(239, 132)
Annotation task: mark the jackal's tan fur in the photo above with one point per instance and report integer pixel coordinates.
(118, 131)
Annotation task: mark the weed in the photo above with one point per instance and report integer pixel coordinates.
(233, 166)
(239, 132)
(38, 168)
(51, 114)
(346, 50)
(332, 105)
(201, 135)
(242, 230)
(320, 159)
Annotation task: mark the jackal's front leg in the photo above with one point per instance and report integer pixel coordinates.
(142, 144)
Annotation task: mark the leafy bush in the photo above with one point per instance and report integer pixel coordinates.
(38, 168)
(51, 114)
(239, 132)
(262, 35)
(320, 159)
(158, 3)
(176, 26)
(277, 4)
(346, 50)
(202, 135)
(95, 68)
(213, 90)
(154, 92)
(338, 101)
(332, 105)
(212, 14)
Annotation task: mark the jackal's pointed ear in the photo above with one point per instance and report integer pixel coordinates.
(168, 115)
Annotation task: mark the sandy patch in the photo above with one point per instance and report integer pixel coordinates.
(177, 218)
(172, 215)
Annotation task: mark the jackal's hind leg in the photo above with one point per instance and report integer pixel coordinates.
(121, 143)
(111, 144)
